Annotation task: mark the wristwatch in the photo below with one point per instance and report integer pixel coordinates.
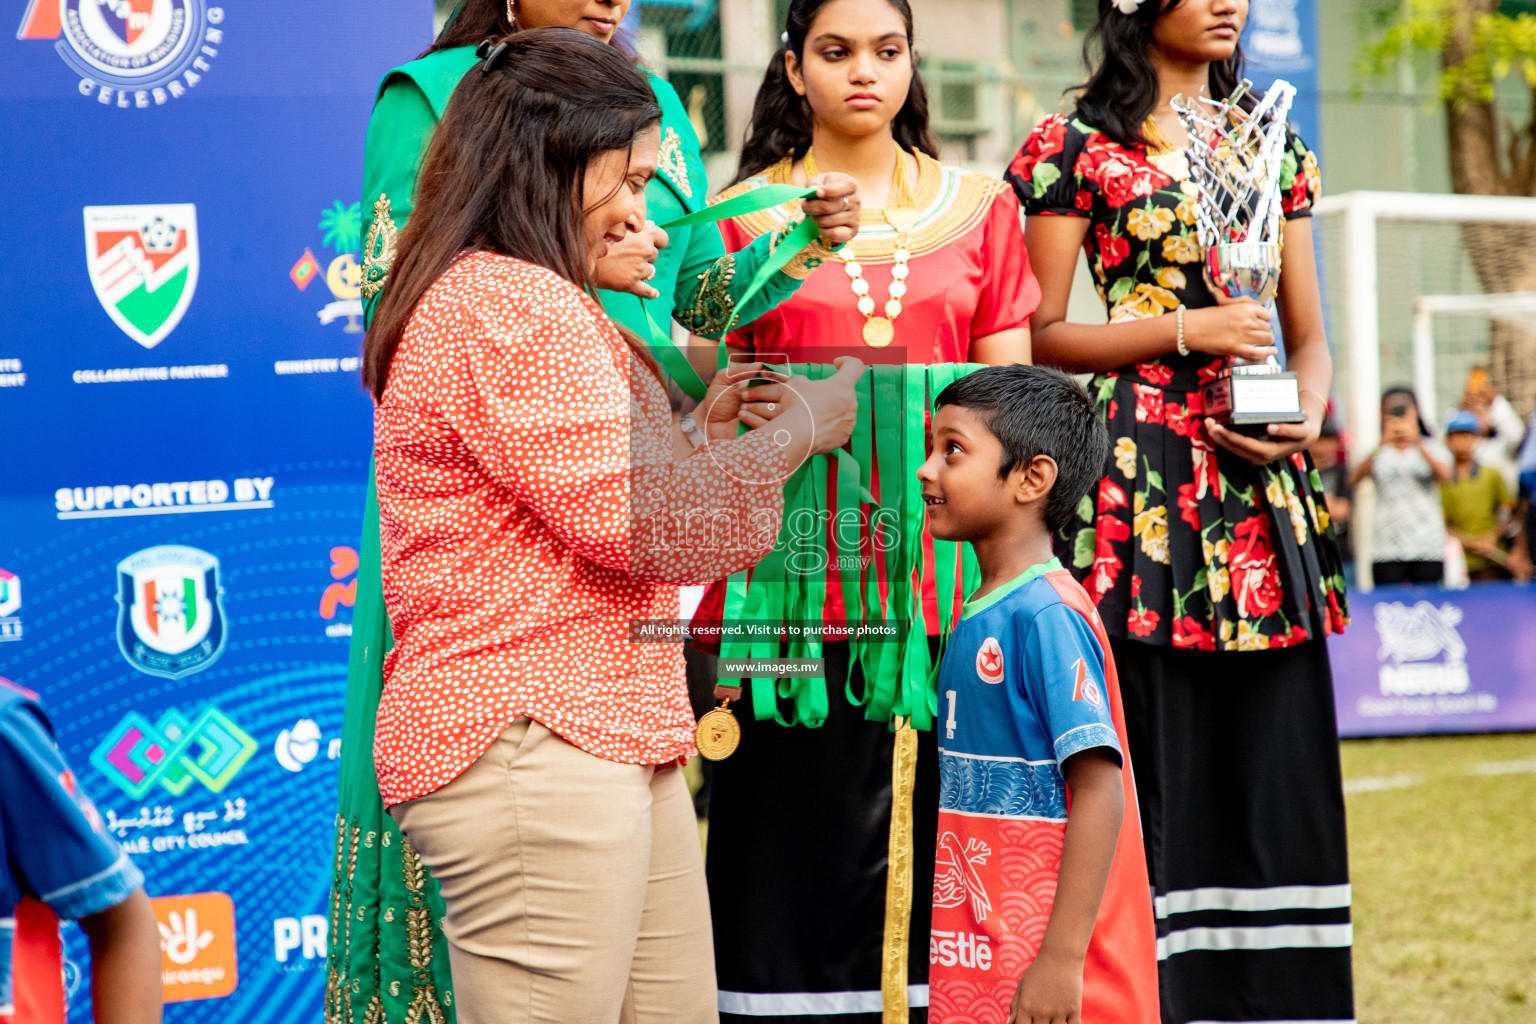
(692, 431)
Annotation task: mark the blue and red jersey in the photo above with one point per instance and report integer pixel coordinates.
(1027, 682)
(54, 847)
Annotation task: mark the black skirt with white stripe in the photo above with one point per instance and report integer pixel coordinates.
(1237, 773)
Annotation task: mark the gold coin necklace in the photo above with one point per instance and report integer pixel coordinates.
(718, 734)
(880, 331)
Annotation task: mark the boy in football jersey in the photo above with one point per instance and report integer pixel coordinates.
(1042, 913)
(58, 861)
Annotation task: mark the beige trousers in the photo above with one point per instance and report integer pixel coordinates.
(575, 887)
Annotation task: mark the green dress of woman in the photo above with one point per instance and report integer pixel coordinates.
(388, 958)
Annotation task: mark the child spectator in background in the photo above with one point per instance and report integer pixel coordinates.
(1499, 429)
(1040, 912)
(1408, 532)
(57, 860)
(1478, 505)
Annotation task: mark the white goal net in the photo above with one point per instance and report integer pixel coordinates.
(1420, 289)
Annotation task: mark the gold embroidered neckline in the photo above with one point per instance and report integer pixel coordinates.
(924, 194)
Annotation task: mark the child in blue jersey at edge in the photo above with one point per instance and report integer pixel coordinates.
(1042, 912)
(56, 854)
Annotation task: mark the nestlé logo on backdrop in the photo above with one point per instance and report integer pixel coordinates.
(130, 53)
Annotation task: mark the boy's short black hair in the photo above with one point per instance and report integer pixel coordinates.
(1037, 410)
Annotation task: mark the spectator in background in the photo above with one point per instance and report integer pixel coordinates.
(1408, 533)
(1499, 428)
(1328, 457)
(1479, 505)
(57, 860)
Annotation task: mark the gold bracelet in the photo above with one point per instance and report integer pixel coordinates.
(1314, 394)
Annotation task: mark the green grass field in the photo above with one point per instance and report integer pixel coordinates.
(1442, 845)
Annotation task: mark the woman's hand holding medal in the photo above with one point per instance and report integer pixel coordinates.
(629, 265)
(835, 208)
(809, 417)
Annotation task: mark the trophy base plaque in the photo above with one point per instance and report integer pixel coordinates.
(1252, 401)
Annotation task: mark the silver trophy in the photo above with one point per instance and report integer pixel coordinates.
(1235, 157)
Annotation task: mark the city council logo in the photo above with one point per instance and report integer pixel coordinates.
(174, 752)
(130, 53)
(170, 621)
(143, 265)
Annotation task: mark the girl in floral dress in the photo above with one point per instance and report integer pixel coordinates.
(1208, 552)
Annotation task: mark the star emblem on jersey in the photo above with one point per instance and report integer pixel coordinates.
(989, 661)
(1084, 688)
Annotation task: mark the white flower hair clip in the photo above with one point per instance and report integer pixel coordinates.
(784, 37)
(1128, 6)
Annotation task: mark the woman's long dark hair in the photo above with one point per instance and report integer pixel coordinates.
(781, 118)
(505, 169)
(471, 22)
(1123, 89)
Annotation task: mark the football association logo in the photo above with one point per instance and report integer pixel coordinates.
(170, 620)
(989, 661)
(130, 53)
(143, 265)
(1084, 688)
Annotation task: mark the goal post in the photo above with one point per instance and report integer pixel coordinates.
(1405, 303)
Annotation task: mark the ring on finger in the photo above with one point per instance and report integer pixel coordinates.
(845, 202)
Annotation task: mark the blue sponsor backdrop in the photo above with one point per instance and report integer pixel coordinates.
(177, 370)
(1418, 660)
(1280, 41)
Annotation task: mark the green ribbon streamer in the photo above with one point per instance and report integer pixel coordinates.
(672, 358)
(888, 442)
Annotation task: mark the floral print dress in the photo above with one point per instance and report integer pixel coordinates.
(1184, 543)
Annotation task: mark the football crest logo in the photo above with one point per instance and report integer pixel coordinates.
(143, 265)
(989, 661)
(170, 620)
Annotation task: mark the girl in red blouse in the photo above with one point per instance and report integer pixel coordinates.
(530, 511)
(1209, 552)
(802, 820)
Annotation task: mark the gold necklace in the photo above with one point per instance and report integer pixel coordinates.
(880, 331)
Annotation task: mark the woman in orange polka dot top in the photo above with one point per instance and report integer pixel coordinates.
(530, 510)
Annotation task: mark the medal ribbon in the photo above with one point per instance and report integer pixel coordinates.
(889, 441)
(672, 358)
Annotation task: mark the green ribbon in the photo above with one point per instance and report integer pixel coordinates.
(672, 358)
(889, 442)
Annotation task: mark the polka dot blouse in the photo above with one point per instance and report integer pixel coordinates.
(530, 508)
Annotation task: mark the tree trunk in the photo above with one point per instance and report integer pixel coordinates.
(1504, 257)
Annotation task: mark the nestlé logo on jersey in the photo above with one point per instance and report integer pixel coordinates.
(170, 619)
(130, 53)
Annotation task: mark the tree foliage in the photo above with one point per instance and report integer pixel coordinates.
(1487, 82)
(1487, 71)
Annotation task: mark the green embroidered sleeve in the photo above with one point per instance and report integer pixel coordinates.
(711, 279)
(398, 132)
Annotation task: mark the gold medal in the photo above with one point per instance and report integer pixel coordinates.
(879, 332)
(718, 734)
